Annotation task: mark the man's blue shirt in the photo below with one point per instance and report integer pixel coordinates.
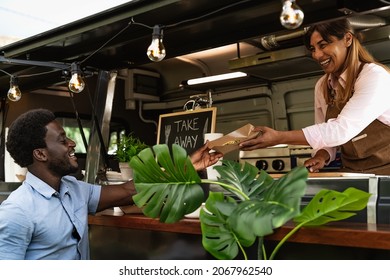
(36, 222)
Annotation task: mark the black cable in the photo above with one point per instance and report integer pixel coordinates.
(79, 121)
(99, 132)
(5, 72)
(205, 15)
(100, 136)
(132, 22)
(31, 75)
(109, 40)
(4, 108)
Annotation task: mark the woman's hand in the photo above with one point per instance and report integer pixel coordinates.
(202, 158)
(266, 137)
(318, 161)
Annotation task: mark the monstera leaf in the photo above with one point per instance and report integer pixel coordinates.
(243, 180)
(328, 206)
(217, 237)
(167, 187)
(228, 225)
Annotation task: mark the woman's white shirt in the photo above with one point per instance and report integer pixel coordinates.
(370, 101)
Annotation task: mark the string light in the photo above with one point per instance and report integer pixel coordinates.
(291, 16)
(156, 50)
(76, 83)
(14, 93)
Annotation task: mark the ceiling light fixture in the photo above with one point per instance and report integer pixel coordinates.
(216, 78)
(291, 16)
(14, 93)
(156, 51)
(76, 83)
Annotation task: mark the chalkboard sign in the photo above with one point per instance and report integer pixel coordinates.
(186, 128)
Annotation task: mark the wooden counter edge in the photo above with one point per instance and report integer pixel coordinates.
(346, 234)
(337, 234)
(139, 221)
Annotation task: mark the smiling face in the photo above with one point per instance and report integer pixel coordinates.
(330, 55)
(60, 150)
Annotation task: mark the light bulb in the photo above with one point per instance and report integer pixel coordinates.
(156, 50)
(76, 83)
(14, 93)
(292, 15)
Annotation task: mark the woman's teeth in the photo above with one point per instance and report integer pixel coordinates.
(325, 62)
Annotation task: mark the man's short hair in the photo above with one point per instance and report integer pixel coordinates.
(27, 133)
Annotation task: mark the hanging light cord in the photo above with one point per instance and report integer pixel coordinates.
(39, 74)
(132, 22)
(79, 121)
(138, 23)
(108, 41)
(5, 72)
(31, 75)
(99, 132)
(191, 19)
(208, 14)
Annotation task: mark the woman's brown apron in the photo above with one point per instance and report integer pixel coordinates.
(367, 152)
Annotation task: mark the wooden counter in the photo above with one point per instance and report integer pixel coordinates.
(117, 236)
(327, 175)
(347, 234)
(139, 221)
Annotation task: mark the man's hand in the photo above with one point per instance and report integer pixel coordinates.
(202, 158)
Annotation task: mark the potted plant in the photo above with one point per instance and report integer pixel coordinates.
(128, 146)
(168, 187)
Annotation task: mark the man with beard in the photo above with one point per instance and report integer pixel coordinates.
(47, 216)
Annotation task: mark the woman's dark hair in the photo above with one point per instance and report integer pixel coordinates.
(356, 54)
(336, 28)
(26, 134)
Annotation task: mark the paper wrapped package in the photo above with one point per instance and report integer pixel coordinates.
(230, 142)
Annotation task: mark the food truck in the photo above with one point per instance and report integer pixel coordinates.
(128, 88)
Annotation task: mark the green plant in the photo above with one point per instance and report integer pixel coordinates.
(128, 147)
(168, 187)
